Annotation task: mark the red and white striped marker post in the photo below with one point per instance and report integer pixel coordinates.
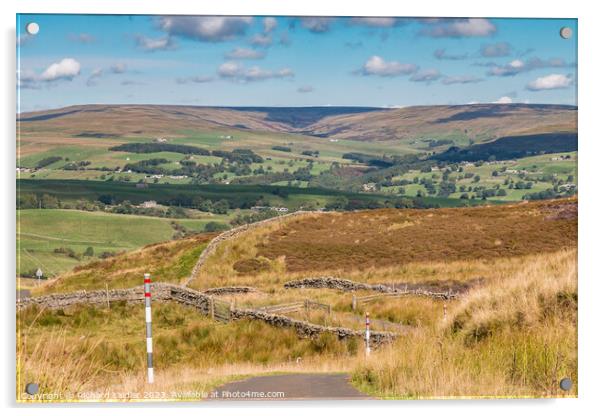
(367, 333)
(149, 330)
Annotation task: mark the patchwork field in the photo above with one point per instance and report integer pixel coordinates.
(300, 147)
(56, 240)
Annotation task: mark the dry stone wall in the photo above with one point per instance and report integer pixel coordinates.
(308, 330)
(218, 291)
(349, 285)
(198, 300)
(231, 234)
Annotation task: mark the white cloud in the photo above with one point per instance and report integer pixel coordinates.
(503, 100)
(305, 89)
(317, 24)
(27, 79)
(458, 28)
(94, 76)
(23, 39)
(229, 69)
(261, 40)
(284, 39)
(495, 50)
(152, 44)
(550, 82)
(66, 69)
(441, 54)
(127, 82)
(205, 28)
(237, 72)
(518, 66)
(426, 75)
(197, 80)
(84, 38)
(118, 68)
(374, 21)
(376, 65)
(244, 53)
(460, 79)
(269, 24)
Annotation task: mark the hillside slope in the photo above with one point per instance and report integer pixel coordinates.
(480, 122)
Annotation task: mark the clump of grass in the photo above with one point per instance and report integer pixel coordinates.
(544, 292)
(513, 337)
(59, 366)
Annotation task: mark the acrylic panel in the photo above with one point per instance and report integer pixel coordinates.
(284, 208)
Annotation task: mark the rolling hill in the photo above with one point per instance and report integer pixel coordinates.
(478, 122)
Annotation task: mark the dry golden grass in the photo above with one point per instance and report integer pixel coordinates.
(513, 337)
(97, 350)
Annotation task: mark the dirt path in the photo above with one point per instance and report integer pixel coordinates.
(290, 387)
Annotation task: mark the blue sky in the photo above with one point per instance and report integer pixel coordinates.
(288, 61)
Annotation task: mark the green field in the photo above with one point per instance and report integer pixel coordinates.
(41, 231)
(535, 169)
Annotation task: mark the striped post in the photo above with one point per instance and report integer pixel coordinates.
(367, 333)
(149, 331)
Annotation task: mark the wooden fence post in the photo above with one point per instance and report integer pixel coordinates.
(353, 302)
(211, 308)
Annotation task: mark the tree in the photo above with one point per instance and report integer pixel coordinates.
(49, 201)
(89, 252)
(214, 226)
(221, 207)
(339, 203)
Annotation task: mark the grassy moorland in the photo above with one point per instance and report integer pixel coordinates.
(512, 334)
(357, 243)
(101, 350)
(513, 337)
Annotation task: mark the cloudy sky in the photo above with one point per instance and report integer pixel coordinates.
(290, 61)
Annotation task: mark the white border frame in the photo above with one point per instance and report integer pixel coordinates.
(590, 149)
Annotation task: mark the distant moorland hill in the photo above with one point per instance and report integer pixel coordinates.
(479, 122)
